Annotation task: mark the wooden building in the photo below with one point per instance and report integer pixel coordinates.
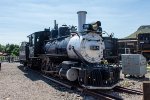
(127, 46)
(130, 44)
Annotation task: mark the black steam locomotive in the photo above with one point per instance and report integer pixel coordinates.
(73, 55)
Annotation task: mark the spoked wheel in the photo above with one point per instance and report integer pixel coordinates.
(43, 66)
(46, 64)
(149, 62)
(125, 75)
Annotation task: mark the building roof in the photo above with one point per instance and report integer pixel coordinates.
(140, 30)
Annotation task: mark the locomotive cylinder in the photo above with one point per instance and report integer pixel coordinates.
(70, 74)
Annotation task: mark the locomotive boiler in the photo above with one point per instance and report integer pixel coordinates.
(73, 55)
(88, 47)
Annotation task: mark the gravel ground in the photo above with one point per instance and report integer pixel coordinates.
(133, 83)
(17, 83)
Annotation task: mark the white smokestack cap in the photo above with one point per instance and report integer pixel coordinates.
(81, 20)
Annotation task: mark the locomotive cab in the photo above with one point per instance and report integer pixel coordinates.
(37, 41)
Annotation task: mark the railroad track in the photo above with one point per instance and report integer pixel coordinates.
(127, 90)
(98, 94)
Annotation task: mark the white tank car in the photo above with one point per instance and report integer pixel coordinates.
(22, 51)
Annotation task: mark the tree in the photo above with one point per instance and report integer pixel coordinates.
(2, 48)
(10, 49)
(15, 51)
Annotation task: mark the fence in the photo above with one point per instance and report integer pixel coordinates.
(9, 58)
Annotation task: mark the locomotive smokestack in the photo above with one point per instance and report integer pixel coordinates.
(81, 20)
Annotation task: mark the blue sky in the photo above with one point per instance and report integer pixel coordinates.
(19, 18)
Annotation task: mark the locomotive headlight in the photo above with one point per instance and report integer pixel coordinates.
(87, 26)
(92, 26)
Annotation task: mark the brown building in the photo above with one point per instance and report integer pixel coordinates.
(130, 44)
(127, 46)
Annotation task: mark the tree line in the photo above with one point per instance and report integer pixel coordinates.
(10, 49)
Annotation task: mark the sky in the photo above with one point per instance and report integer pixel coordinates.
(19, 18)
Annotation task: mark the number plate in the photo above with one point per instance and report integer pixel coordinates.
(94, 47)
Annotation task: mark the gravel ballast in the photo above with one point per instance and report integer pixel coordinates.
(18, 83)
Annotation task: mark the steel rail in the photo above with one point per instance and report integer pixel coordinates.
(58, 82)
(100, 95)
(111, 96)
(127, 90)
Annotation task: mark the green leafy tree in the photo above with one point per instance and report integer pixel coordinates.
(15, 51)
(10, 49)
(2, 48)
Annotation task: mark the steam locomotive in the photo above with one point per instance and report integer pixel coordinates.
(73, 55)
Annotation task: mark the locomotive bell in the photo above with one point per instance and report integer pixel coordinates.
(96, 25)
